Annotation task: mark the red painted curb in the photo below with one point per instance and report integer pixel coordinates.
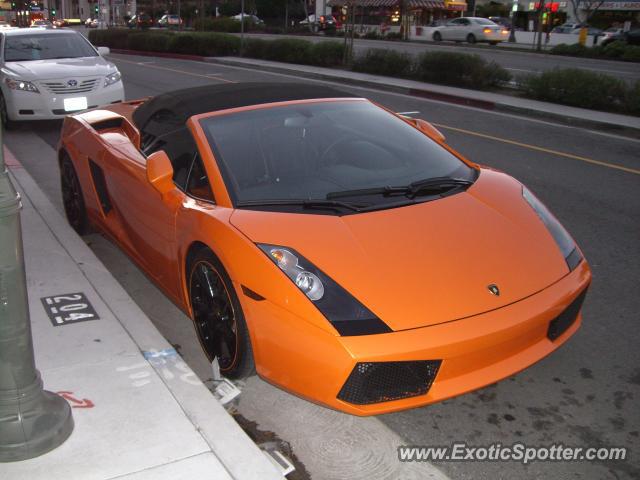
(10, 160)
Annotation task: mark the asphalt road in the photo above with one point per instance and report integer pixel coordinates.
(585, 394)
(518, 63)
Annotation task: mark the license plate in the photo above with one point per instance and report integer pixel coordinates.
(75, 103)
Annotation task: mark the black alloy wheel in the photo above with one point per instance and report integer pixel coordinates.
(72, 198)
(471, 38)
(218, 317)
(437, 36)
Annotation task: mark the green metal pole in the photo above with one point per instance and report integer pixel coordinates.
(32, 420)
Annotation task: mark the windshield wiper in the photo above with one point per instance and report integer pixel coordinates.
(323, 204)
(435, 185)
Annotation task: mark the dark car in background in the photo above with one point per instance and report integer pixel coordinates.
(632, 37)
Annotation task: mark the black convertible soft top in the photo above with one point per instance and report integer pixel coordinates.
(169, 111)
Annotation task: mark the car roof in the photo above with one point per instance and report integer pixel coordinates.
(39, 31)
(171, 110)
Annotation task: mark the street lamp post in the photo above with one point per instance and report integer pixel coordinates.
(32, 420)
(512, 33)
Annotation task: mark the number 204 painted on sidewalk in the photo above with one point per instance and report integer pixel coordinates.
(69, 308)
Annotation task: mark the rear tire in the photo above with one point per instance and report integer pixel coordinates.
(218, 316)
(72, 197)
(437, 37)
(471, 38)
(493, 43)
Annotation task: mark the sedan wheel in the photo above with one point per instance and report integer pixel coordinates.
(218, 317)
(437, 36)
(471, 38)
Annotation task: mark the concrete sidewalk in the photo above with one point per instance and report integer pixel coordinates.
(140, 412)
(611, 122)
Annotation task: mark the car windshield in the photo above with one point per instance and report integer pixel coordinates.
(20, 48)
(309, 150)
(484, 21)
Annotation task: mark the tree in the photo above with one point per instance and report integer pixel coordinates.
(584, 10)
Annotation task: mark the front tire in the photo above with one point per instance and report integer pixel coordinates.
(4, 115)
(471, 38)
(72, 198)
(218, 316)
(437, 37)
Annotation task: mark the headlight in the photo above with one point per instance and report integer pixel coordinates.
(112, 78)
(15, 84)
(565, 243)
(346, 314)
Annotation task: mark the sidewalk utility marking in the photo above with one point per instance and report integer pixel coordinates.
(76, 403)
(541, 149)
(158, 67)
(68, 308)
(166, 362)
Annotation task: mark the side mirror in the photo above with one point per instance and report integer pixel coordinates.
(426, 128)
(160, 172)
(104, 51)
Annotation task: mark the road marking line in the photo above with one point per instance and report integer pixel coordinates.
(158, 67)
(541, 149)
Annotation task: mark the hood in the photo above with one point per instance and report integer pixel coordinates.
(427, 263)
(41, 70)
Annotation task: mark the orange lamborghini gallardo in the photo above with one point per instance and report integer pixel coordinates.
(342, 251)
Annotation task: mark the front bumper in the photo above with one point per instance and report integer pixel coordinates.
(46, 106)
(475, 351)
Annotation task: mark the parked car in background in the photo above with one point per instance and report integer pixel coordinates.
(170, 21)
(47, 73)
(91, 23)
(632, 37)
(61, 22)
(610, 32)
(248, 18)
(41, 24)
(324, 22)
(471, 30)
(141, 20)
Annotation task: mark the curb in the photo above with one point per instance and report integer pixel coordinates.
(237, 453)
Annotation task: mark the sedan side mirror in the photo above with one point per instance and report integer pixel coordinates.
(104, 51)
(160, 172)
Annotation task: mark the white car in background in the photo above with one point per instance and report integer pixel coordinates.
(471, 30)
(46, 74)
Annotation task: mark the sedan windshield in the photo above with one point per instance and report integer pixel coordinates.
(47, 46)
(316, 151)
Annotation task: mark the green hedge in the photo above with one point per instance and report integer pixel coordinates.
(449, 68)
(385, 62)
(615, 50)
(214, 44)
(583, 88)
(461, 70)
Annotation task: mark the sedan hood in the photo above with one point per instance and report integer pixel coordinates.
(59, 68)
(427, 263)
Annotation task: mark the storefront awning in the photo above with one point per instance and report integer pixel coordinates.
(412, 4)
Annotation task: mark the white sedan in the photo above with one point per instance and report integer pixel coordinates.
(45, 74)
(472, 30)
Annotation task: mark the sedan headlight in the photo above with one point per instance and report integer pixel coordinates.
(565, 243)
(112, 78)
(346, 314)
(23, 85)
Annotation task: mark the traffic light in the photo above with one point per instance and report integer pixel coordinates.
(53, 12)
(13, 5)
(96, 9)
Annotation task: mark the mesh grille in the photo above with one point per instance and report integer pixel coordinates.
(375, 382)
(563, 321)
